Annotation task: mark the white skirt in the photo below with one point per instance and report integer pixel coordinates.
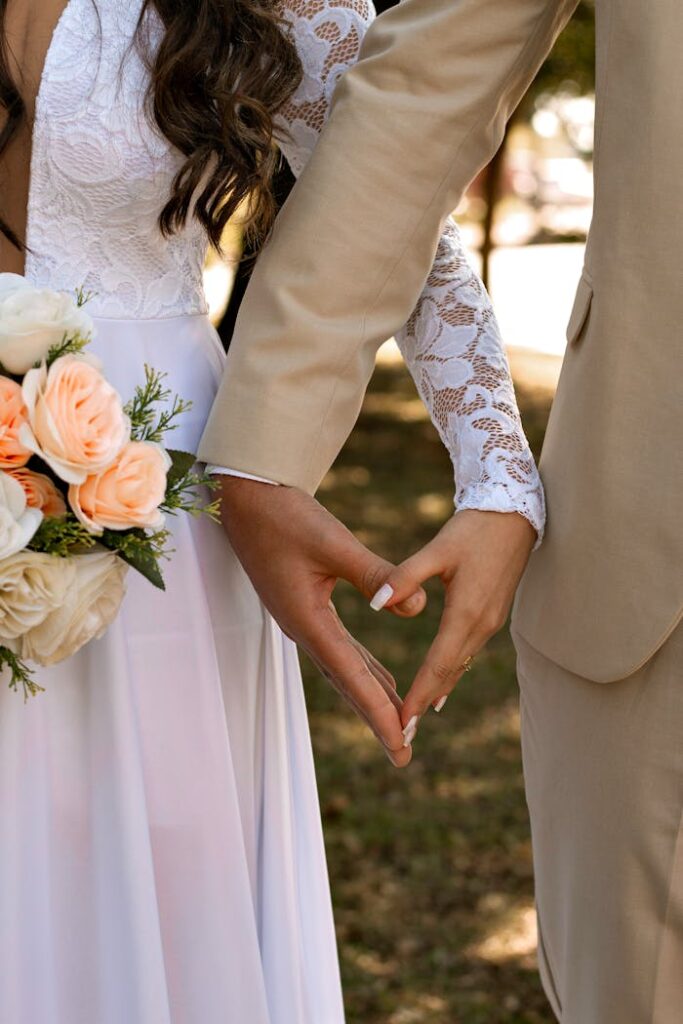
(161, 854)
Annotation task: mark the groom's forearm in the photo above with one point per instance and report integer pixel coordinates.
(411, 126)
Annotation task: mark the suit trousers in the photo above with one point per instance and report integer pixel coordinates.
(603, 769)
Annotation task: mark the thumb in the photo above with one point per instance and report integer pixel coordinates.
(402, 590)
(369, 574)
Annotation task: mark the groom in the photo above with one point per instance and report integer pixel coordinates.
(598, 619)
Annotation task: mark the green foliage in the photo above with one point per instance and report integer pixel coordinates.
(71, 344)
(141, 550)
(182, 488)
(146, 424)
(61, 536)
(182, 464)
(83, 297)
(20, 674)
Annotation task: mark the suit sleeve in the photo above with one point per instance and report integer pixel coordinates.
(411, 124)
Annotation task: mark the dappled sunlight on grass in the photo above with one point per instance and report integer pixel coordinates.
(514, 936)
(342, 732)
(422, 1008)
(431, 866)
(434, 508)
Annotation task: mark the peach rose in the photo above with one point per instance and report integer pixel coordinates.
(13, 414)
(40, 492)
(76, 422)
(125, 494)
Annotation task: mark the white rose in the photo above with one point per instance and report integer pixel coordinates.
(18, 522)
(32, 320)
(31, 586)
(91, 604)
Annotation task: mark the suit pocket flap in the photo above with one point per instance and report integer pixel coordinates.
(580, 311)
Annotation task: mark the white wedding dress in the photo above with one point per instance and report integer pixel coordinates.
(161, 855)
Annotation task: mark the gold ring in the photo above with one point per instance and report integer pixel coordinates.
(467, 664)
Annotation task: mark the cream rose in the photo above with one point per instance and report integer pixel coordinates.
(76, 422)
(40, 491)
(92, 602)
(128, 493)
(18, 522)
(32, 585)
(13, 415)
(32, 320)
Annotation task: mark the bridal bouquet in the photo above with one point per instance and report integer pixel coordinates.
(85, 481)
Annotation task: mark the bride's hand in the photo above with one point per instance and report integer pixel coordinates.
(480, 558)
(294, 551)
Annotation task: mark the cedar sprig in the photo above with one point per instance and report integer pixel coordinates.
(61, 536)
(131, 543)
(71, 344)
(141, 410)
(182, 496)
(20, 674)
(83, 297)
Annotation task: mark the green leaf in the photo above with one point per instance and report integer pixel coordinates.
(138, 550)
(181, 464)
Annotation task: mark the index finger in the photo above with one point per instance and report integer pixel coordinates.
(332, 650)
(444, 663)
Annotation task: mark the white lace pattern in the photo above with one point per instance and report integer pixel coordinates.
(100, 175)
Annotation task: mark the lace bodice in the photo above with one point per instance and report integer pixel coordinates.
(101, 173)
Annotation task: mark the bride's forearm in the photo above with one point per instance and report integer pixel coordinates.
(453, 348)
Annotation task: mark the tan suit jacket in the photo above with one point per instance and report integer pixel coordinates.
(411, 126)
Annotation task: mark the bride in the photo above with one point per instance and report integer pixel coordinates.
(161, 856)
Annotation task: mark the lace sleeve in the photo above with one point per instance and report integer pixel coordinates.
(328, 36)
(453, 348)
(451, 344)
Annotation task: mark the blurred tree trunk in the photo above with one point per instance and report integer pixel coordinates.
(493, 182)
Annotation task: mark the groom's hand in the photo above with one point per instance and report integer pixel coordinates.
(480, 558)
(294, 551)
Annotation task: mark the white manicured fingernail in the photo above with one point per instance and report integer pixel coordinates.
(410, 731)
(383, 595)
(440, 703)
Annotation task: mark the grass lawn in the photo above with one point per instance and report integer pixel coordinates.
(431, 867)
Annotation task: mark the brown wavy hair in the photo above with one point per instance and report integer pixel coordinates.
(220, 74)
